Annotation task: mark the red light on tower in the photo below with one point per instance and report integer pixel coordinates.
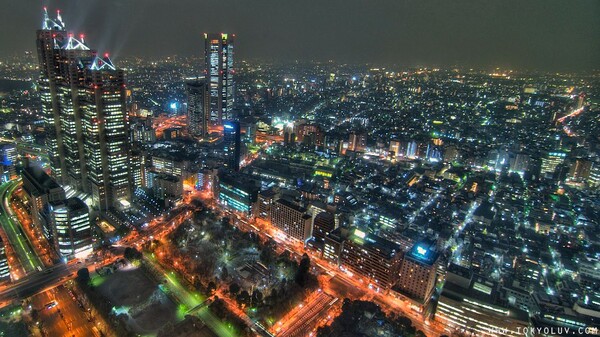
(82, 36)
(105, 55)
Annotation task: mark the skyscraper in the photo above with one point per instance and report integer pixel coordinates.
(198, 110)
(73, 232)
(232, 142)
(218, 60)
(418, 272)
(83, 104)
(4, 270)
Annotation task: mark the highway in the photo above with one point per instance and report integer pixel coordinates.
(19, 241)
(68, 318)
(36, 283)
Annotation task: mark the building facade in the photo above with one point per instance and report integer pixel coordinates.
(84, 110)
(232, 144)
(198, 109)
(72, 228)
(218, 60)
(291, 219)
(371, 257)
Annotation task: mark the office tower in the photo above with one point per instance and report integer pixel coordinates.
(4, 270)
(468, 302)
(551, 161)
(394, 149)
(9, 161)
(580, 169)
(291, 219)
(72, 228)
(594, 178)
(104, 122)
(418, 272)
(310, 134)
(138, 168)
(232, 143)
(237, 193)
(265, 203)
(83, 104)
(40, 190)
(372, 257)
(323, 223)
(357, 142)
(218, 60)
(198, 110)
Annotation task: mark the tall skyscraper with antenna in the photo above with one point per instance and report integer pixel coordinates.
(218, 59)
(84, 110)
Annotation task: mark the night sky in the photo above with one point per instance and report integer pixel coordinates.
(522, 34)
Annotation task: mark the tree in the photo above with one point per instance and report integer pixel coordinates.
(132, 254)
(257, 297)
(303, 271)
(211, 287)
(83, 275)
(244, 298)
(234, 289)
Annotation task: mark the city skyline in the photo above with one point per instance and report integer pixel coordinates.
(177, 196)
(537, 35)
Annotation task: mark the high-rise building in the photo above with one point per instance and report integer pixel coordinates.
(218, 60)
(41, 190)
(8, 152)
(237, 192)
(580, 169)
(357, 142)
(104, 122)
(372, 257)
(85, 119)
(232, 143)
(198, 109)
(291, 219)
(4, 270)
(551, 161)
(418, 272)
(72, 228)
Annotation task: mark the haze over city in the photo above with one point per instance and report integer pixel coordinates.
(299, 168)
(538, 34)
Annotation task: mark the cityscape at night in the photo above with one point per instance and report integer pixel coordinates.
(300, 169)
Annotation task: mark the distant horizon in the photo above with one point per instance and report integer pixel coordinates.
(371, 65)
(545, 35)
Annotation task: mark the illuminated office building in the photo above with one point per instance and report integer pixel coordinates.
(83, 107)
(237, 193)
(372, 257)
(218, 58)
(551, 161)
(418, 272)
(468, 304)
(4, 270)
(232, 143)
(198, 109)
(72, 228)
(291, 219)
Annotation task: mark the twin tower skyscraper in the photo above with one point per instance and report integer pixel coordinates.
(85, 117)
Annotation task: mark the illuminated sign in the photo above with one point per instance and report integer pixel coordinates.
(228, 126)
(421, 251)
(360, 234)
